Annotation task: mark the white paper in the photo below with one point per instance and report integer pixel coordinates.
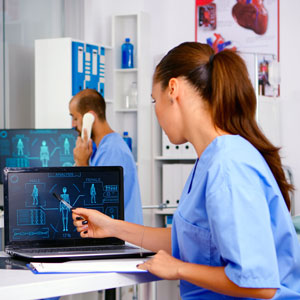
(89, 266)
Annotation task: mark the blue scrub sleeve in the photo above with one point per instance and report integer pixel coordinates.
(239, 218)
(109, 155)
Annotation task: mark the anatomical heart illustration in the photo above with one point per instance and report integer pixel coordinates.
(251, 14)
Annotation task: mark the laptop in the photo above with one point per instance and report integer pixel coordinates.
(39, 227)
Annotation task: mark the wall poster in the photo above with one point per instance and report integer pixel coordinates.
(248, 26)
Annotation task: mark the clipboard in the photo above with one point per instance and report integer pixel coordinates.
(88, 266)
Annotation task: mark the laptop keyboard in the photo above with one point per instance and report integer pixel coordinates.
(78, 249)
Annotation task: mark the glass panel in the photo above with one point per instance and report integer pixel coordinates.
(25, 21)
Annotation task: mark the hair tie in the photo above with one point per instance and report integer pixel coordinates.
(211, 58)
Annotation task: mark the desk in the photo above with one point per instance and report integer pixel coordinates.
(23, 284)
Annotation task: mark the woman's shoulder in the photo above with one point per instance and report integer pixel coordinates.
(235, 148)
(234, 154)
(228, 148)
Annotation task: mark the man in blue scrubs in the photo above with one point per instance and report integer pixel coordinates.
(106, 148)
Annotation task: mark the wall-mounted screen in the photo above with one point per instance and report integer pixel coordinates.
(36, 148)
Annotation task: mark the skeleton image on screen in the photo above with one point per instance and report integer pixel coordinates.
(44, 154)
(64, 209)
(20, 147)
(67, 146)
(93, 193)
(35, 195)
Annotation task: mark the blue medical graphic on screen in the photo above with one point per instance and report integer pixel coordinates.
(36, 148)
(36, 214)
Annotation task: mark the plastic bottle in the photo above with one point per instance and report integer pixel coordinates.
(127, 139)
(127, 54)
(133, 95)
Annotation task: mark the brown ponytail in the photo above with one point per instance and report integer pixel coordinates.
(222, 80)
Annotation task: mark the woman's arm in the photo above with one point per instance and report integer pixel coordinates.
(150, 238)
(208, 277)
(92, 223)
(215, 278)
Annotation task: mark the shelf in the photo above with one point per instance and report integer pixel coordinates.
(268, 99)
(165, 211)
(132, 70)
(126, 110)
(174, 158)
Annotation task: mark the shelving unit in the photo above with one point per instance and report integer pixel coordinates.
(137, 120)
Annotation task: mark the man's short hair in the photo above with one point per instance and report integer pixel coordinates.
(90, 99)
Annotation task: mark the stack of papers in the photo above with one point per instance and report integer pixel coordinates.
(88, 266)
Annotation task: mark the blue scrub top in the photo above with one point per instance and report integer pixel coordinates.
(232, 213)
(113, 151)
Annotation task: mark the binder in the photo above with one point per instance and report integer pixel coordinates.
(186, 170)
(188, 150)
(91, 67)
(101, 85)
(167, 190)
(78, 75)
(174, 177)
(168, 220)
(170, 150)
(176, 185)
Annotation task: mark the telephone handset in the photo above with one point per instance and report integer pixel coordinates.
(87, 123)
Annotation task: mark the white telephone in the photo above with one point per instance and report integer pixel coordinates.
(87, 123)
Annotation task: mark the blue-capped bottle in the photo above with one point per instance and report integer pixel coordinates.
(127, 139)
(127, 54)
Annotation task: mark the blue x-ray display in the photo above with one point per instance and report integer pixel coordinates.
(36, 148)
(35, 214)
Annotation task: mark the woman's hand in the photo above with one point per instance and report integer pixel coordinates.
(92, 223)
(163, 265)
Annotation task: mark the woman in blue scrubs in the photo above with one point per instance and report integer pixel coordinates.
(232, 235)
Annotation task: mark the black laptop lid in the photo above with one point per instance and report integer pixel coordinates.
(34, 217)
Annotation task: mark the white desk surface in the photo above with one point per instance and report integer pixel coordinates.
(23, 284)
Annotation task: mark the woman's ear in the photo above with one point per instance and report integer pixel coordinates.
(173, 88)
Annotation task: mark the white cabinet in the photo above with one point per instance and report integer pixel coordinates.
(63, 67)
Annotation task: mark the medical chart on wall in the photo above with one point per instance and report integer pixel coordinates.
(248, 25)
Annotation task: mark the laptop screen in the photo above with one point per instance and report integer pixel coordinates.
(33, 214)
(36, 148)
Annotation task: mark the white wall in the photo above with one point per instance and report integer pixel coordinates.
(172, 22)
(290, 89)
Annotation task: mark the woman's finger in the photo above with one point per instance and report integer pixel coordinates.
(82, 228)
(84, 234)
(144, 266)
(79, 223)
